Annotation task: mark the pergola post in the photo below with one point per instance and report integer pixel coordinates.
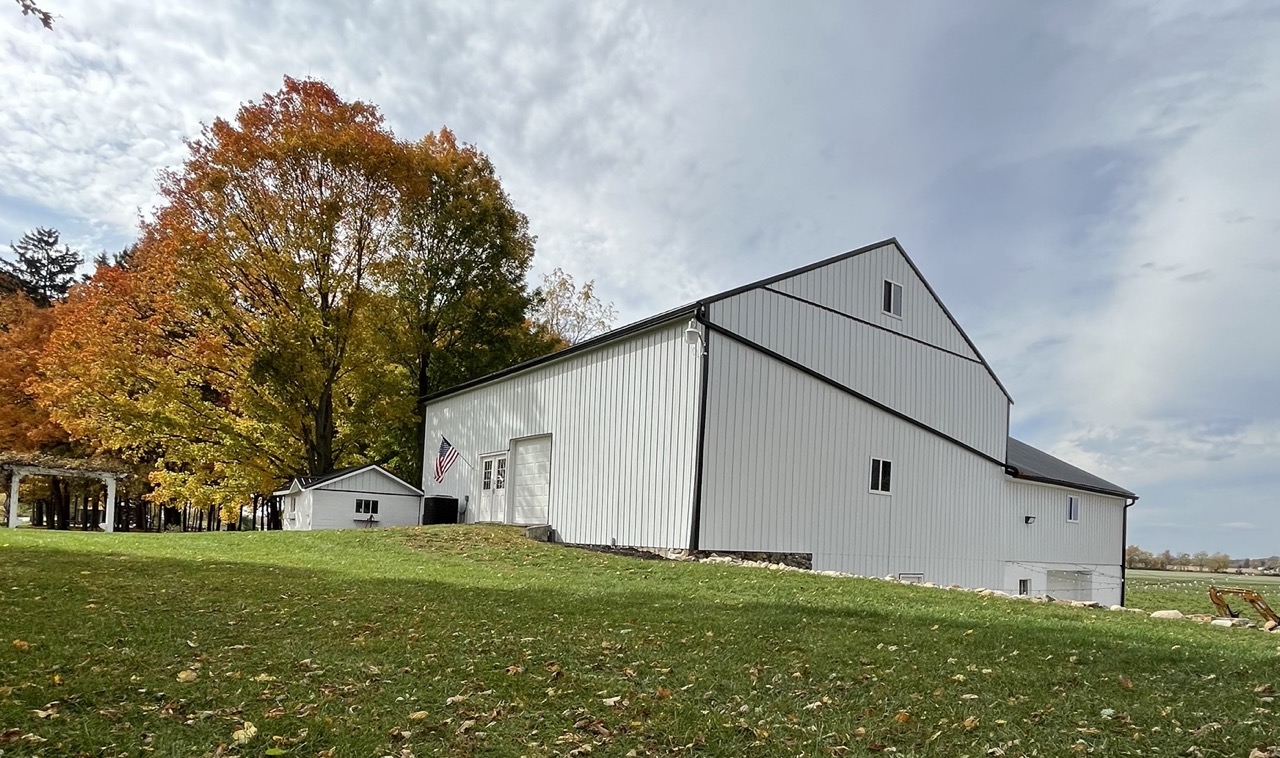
(14, 478)
(110, 524)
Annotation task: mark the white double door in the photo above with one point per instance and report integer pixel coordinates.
(518, 493)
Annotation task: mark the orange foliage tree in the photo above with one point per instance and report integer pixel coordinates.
(305, 278)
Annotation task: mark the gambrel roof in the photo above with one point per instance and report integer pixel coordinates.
(691, 309)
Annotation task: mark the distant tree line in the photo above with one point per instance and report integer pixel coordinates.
(1136, 557)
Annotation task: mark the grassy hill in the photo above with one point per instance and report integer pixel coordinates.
(471, 640)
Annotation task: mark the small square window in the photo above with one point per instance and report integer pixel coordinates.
(1073, 509)
(881, 475)
(1024, 586)
(892, 298)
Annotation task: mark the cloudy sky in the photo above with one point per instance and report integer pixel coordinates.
(1092, 188)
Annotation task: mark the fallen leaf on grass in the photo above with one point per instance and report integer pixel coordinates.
(513, 670)
(902, 717)
(22, 645)
(971, 723)
(187, 676)
(418, 715)
(244, 734)
(663, 693)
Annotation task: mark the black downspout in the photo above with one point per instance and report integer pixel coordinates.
(1124, 547)
(696, 527)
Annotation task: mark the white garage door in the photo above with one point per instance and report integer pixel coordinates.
(530, 480)
(1070, 585)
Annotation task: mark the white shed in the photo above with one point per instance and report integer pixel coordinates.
(837, 410)
(355, 497)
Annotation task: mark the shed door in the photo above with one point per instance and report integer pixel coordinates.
(530, 480)
(493, 488)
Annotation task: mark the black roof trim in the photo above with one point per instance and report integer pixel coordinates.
(1033, 464)
(311, 482)
(684, 311)
(838, 386)
(691, 309)
(955, 323)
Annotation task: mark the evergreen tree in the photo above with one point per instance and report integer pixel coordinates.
(44, 271)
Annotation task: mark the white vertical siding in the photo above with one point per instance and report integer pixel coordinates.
(335, 509)
(952, 394)
(786, 469)
(855, 286)
(623, 425)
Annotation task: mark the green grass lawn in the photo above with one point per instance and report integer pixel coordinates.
(1189, 592)
(473, 641)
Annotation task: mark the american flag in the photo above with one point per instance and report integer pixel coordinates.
(448, 454)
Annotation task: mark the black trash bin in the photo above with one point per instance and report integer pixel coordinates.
(440, 509)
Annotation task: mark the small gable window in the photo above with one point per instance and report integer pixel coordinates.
(893, 298)
(1073, 509)
(881, 471)
(367, 506)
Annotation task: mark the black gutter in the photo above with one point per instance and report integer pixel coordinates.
(849, 391)
(695, 529)
(1017, 474)
(1124, 547)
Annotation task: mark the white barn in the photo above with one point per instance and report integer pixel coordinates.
(355, 497)
(837, 410)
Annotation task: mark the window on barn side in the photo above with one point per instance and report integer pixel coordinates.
(881, 476)
(892, 298)
(1073, 509)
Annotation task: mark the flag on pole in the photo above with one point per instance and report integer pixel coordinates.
(448, 454)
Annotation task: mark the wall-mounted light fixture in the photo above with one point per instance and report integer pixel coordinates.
(1028, 519)
(692, 335)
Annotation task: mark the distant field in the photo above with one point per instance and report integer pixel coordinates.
(1188, 591)
(473, 641)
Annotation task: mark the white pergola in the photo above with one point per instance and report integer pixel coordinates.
(18, 471)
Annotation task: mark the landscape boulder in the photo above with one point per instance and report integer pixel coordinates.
(1167, 615)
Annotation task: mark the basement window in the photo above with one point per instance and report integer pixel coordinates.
(881, 471)
(1073, 509)
(911, 578)
(367, 506)
(1024, 586)
(892, 298)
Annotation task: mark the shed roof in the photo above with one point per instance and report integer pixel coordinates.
(1027, 462)
(311, 482)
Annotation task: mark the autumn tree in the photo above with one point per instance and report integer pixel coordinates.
(571, 312)
(453, 284)
(25, 425)
(42, 270)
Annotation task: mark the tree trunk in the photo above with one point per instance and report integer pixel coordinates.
(322, 452)
(420, 444)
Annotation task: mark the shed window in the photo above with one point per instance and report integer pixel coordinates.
(893, 298)
(1073, 509)
(880, 475)
(367, 506)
